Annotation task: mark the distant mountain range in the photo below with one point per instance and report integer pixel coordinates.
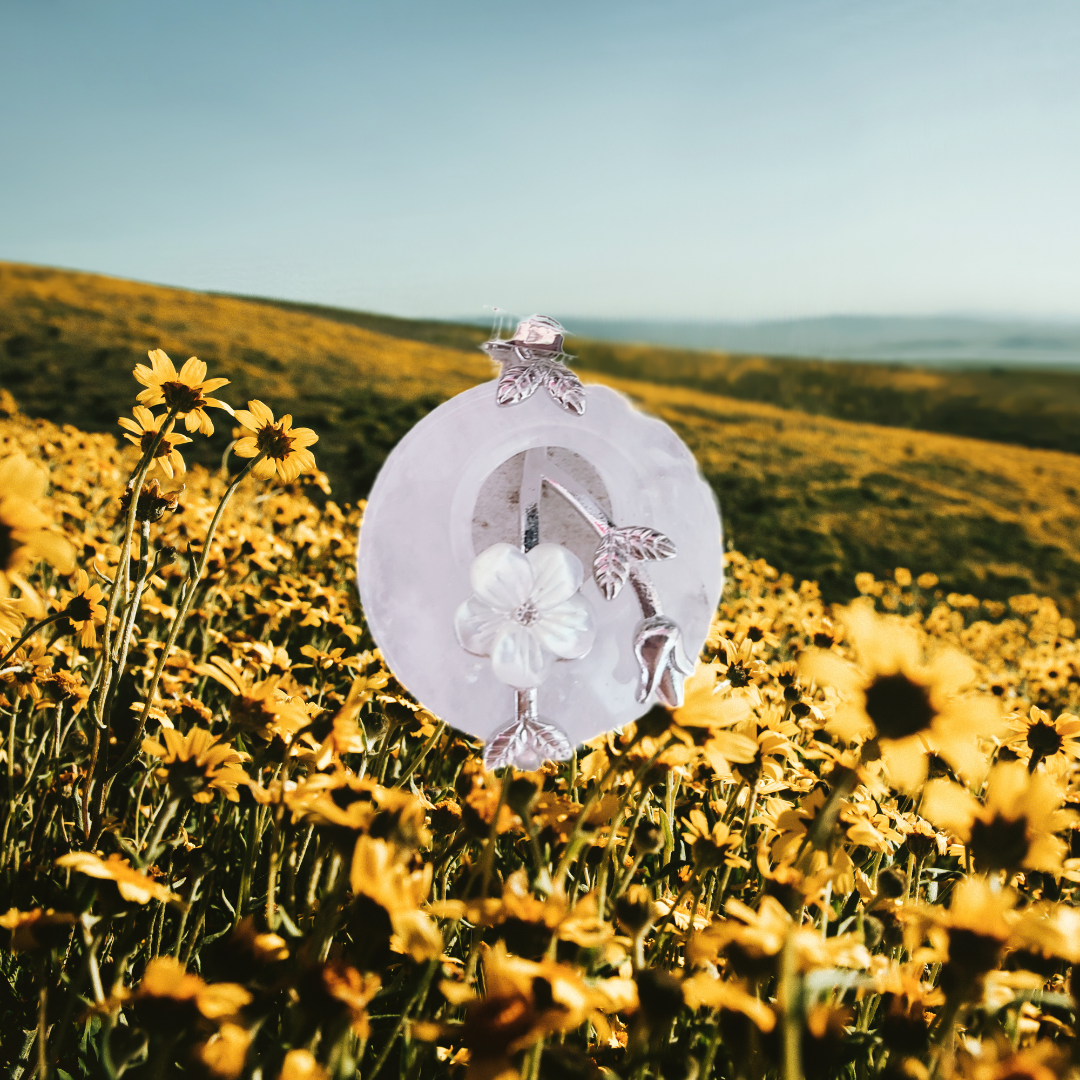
(922, 340)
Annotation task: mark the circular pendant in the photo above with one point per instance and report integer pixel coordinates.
(539, 562)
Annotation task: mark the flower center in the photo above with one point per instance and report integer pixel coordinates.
(164, 447)
(1043, 739)
(999, 844)
(738, 674)
(8, 547)
(182, 397)
(898, 706)
(526, 614)
(152, 503)
(79, 609)
(274, 441)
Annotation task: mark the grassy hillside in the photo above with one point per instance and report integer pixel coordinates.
(820, 496)
(833, 495)
(71, 340)
(1024, 406)
(1012, 405)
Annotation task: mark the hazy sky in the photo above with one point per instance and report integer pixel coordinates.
(659, 159)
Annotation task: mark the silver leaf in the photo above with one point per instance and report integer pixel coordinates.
(565, 387)
(611, 565)
(527, 743)
(518, 382)
(645, 544)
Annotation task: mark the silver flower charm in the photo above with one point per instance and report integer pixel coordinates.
(525, 612)
(664, 666)
(620, 548)
(532, 358)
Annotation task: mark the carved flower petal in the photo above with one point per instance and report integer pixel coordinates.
(502, 576)
(476, 624)
(558, 574)
(567, 629)
(517, 657)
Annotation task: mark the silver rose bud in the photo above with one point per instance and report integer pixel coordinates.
(664, 666)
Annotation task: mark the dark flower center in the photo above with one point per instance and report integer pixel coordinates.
(738, 674)
(999, 844)
(79, 609)
(186, 777)
(1043, 739)
(152, 504)
(972, 953)
(898, 706)
(706, 854)
(182, 397)
(164, 447)
(8, 547)
(274, 442)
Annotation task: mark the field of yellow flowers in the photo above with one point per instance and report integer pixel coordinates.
(232, 846)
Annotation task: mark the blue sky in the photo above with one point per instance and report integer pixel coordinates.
(662, 159)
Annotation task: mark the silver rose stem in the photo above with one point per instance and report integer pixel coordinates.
(657, 640)
(591, 511)
(526, 710)
(526, 705)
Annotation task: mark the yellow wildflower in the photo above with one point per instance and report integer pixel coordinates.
(1016, 827)
(130, 883)
(378, 874)
(1036, 738)
(197, 764)
(83, 608)
(225, 1052)
(185, 392)
(904, 706)
(285, 447)
(25, 536)
(143, 430)
(301, 1065)
(167, 992)
(37, 929)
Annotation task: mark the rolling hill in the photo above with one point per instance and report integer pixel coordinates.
(821, 496)
(1024, 404)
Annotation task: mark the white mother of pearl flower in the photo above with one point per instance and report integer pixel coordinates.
(525, 612)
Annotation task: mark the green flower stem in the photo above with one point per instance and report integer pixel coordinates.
(29, 634)
(750, 808)
(159, 832)
(571, 844)
(788, 995)
(178, 621)
(417, 761)
(609, 845)
(417, 999)
(138, 807)
(713, 1044)
(95, 775)
(487, 860)
(123, 642)
(192, 896)
(626, 875)
(122, 565)
(254, 836)
(531, 1065)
